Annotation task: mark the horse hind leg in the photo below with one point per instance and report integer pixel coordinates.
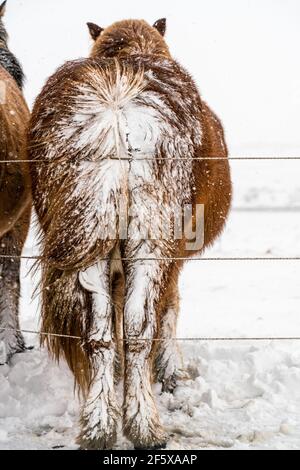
(101, 411)
(168, 366)
(144, 281)
(11, 340)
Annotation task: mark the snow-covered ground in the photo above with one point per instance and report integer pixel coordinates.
(240, 395)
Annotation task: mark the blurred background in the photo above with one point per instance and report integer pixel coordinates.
(243, 55)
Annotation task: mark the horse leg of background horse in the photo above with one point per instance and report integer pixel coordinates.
(11, 341)
(144, 290)
(168, 361)
(100, 412)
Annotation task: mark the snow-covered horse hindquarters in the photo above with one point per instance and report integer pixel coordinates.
(116, 139)
(15, 199)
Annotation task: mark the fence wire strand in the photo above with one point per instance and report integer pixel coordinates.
(188, 339)
(131, 158)
(173, 258)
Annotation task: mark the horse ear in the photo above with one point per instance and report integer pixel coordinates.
(161, 25)
(2, 8)
(95, 30)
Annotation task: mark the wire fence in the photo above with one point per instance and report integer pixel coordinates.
(188, 339)
(211, 259)
(131, 158)
(271, 209)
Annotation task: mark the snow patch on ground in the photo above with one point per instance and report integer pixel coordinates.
(37, 408)
(239, 396)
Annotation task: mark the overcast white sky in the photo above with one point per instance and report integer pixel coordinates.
(243, 54)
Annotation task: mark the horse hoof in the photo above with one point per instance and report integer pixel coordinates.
(169, 385)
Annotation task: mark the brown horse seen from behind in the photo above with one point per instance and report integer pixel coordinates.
(125, 153)
(15, 194)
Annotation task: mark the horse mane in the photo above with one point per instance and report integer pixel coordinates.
(11, 64)
(7, 59)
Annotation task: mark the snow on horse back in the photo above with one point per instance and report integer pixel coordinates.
(122, 192)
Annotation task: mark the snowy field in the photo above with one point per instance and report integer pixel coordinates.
(239, 395)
